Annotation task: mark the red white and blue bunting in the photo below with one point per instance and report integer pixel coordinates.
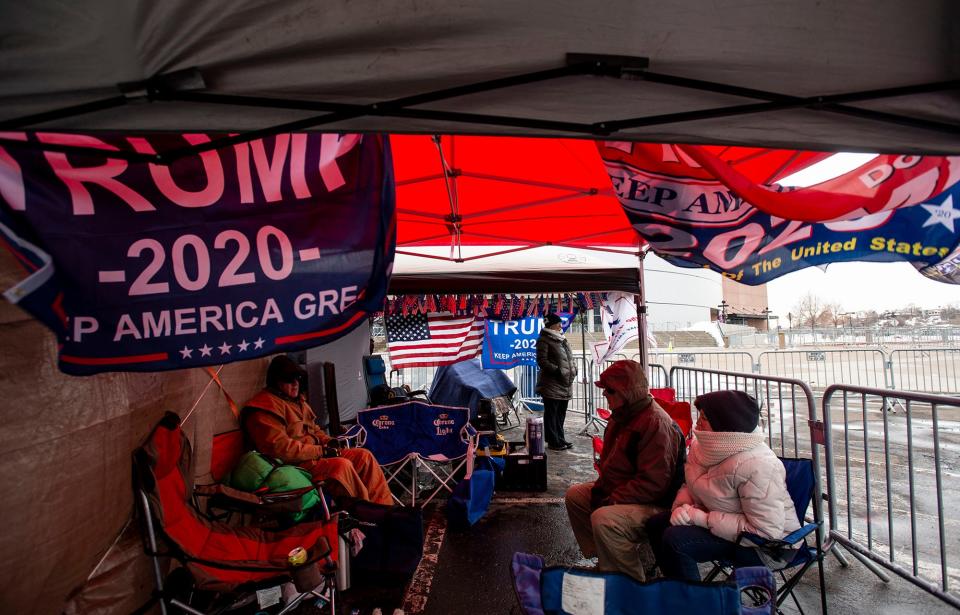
(501, 306)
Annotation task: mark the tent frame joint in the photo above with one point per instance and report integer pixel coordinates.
(161, 86)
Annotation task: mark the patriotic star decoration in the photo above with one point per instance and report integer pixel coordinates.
(944, 214)
(206, 351)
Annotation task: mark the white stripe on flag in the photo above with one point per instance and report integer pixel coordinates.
(452, 339)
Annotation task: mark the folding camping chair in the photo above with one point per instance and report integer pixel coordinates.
(679, 411)
(379, 391)
(221, 561)
(801, 483)
(418, 436)
(564, 590)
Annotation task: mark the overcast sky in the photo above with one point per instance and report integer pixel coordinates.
(856, 286)
(861, 286)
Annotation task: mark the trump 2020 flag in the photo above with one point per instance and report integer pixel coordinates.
(276, 244)
(435, 338)
(620, 325)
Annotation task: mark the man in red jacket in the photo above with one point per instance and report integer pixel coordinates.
(637, 469)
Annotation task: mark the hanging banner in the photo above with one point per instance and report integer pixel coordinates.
(618, 314)
(508, 343)
(278, 244)
(698, 210)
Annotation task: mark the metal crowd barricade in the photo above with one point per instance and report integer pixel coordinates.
(932, 370)
(890, 483)
(657, 376)
(723, 361)
(785, 404)
(821, 368)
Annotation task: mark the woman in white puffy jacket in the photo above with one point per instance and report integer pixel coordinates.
(734, 483)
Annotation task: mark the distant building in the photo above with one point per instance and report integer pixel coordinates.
(743, 305)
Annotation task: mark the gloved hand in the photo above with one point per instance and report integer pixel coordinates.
(331, 449)
(680, 515)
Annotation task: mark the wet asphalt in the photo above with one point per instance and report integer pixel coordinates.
(468, 572)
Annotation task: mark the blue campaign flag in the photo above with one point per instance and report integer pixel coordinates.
(276, 244)
(927, 234)
(508, 343)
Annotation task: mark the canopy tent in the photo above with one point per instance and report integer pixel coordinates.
(867, 76)
(471, 209)
(864, 75)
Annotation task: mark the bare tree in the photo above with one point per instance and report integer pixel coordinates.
(809, 310)
(950, 314)
(833, 312)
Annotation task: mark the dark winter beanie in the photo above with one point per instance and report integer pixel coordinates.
(551, 319)
(284, 369)
(729, 410)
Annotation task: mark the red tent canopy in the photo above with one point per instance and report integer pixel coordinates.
(525, 192)
(496, 191)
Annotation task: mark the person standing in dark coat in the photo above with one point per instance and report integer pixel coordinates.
(558, 369)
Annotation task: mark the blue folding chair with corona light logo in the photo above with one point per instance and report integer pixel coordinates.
(416, 438)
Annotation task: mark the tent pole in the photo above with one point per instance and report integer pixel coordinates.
(585, 377)
(641, 301)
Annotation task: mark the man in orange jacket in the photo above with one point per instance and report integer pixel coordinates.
(280, 424)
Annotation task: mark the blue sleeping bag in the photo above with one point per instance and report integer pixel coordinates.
(465, 383)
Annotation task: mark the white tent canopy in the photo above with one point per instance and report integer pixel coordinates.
(869, 75)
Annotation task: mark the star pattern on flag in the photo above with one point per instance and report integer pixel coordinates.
(944, 214)
(224, 348)
(409, 329)
(205, 350)
(258, 343)
(242, 346)
(186, 353)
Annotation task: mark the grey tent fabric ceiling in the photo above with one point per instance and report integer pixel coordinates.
(858, 75)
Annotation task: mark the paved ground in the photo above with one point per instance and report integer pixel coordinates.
(468, 572)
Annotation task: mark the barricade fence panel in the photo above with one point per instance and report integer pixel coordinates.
(786, 405)
(936, 335)
(892, 460)
(930, 370)
(721, 361)
(821, 368)
(657, 376)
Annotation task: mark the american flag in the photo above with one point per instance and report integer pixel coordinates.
(423, 340)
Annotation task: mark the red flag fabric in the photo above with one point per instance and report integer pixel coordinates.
(755, 214)
(885, 182)
(437, 338)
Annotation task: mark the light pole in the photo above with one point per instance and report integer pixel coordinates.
(723, 310)
(766, 317)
